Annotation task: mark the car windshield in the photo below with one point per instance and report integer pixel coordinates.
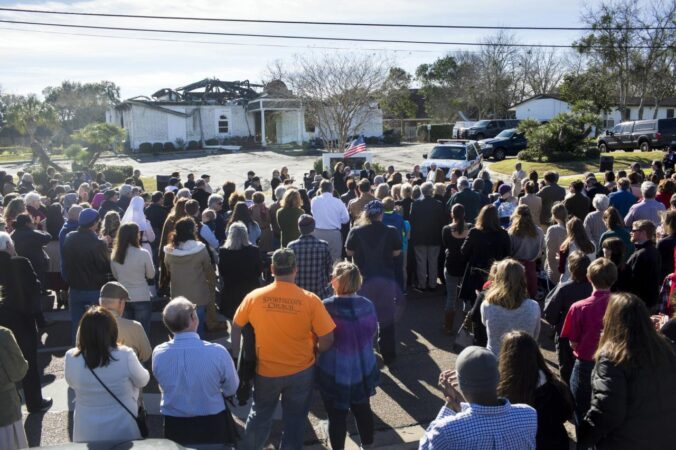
(481, 123)
(446, 152)
(506, 134)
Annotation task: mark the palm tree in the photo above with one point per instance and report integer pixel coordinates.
(30, 115)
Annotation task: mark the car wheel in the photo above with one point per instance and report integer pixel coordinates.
(603, 148)
(499, 154)
(644, 146)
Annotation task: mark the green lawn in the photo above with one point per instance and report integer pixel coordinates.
(577, 168)
(149, 184)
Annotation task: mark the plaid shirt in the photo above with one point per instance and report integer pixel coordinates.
(313, 259)
(477, 427)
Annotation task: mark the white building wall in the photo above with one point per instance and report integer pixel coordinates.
(149, 125)
(540, 109)
(287, 127)
(373, 126)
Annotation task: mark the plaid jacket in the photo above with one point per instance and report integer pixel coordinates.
(313, 259)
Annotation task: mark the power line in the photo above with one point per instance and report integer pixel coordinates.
(239, 44)
(351, 24)
(319, 38)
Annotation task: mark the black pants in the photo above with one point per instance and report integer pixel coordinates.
(363, 417)
(197, 430)
(26, 334)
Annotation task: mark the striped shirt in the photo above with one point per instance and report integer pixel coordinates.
(477, 427)
(193, 375)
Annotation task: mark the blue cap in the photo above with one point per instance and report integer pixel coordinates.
(87, 217)
(374, 208)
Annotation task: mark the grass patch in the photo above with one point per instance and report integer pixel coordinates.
(573, 168)
(149, 184)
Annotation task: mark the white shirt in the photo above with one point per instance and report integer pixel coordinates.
(329, 212)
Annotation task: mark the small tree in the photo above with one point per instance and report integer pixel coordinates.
(564, 136)
(95, 139)
(338, 92)
(37, 120)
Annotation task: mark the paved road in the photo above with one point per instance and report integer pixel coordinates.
(406, 401)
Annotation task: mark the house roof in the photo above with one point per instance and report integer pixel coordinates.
(537, 97)
(668, 102)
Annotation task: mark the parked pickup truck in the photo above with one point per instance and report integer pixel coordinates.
(641, 134)
(450, 154)
(507, 143)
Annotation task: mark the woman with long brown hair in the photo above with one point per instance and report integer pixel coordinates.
(174, 216)
(633, 387)
(132, 266)
(526, 378)
(452, 238)
(111, 223)
(288, 215)
(507, 307)
(528, 244)
(576, 239)
(615, 229)
(486, 242)
(98, 360)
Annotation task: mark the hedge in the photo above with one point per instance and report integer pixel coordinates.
(114, 174)
(169, 147)
(158, 147)
(193, 145)
(145, 147)
(437, 131)
(211, 142)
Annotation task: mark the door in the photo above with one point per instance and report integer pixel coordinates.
(613, 138)
(518, 143)
(626, 141)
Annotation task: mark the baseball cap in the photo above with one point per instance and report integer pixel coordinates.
(477, 370)
(504, 189)
(113, 289)
(87, 217)
(284, 260)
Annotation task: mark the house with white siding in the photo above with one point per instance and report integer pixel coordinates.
(545, 107)
(214, 110)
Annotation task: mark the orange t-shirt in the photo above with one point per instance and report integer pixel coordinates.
(285, 319)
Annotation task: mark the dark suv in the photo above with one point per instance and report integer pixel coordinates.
(488, 128)
(641, 134)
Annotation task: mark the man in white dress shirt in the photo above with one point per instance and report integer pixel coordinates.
(330, 214)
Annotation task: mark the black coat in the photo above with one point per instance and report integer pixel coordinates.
(86, 260)
(427, 219)
(645, 266)
(21, 289)
(554, 406)
(202, 198)
(240, 272)
(30, 244)
(631, 408)
(482, 248)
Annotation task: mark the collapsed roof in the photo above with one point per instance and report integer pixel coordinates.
(209, 91)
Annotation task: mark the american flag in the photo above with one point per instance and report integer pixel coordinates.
(358, 145)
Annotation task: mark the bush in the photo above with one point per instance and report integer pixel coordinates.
(180, 144)
(114, 174)
(212, 141)
(564, 156)
(392, 137)
(592, 152)
(193, 145)
(158, 147)
(528, 155)
(169, 147)
(436, 131)
(318, 165)
(371, 140)
(145, 147)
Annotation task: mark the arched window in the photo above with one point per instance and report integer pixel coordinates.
(223, 124)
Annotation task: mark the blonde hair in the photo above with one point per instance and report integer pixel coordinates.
(508, 288)
(522, 223)
(291, 199)
(347, 278)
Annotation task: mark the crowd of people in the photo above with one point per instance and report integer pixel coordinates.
(313, 277)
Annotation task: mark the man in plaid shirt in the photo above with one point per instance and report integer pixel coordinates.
(313, 259)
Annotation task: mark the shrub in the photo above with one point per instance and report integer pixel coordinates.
(392, 137)
(145, 147)
(528, 155)
(318, 165)
(114, 174)
(371, 140)
(436, 131)
(212, 141)
(193, 145)
(158, 147)
(169, 147)
(592, 152)
(180, 144)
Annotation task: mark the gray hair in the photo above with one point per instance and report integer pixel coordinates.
(176, 315)
(600, 202)
(183, 193)
(648, 189)
(279, 192)
(31, 198)
(74, 212)
(238, 237)
(382, 191)
(213, 199)
(463, 182)
(379, 179)
(249, 192)
(5, 241)
(427, 189)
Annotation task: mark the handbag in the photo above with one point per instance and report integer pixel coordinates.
(142, 415)
(465, 337)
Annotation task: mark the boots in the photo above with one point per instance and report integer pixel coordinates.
(449, 319)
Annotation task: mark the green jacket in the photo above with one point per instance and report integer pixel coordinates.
(13, 367)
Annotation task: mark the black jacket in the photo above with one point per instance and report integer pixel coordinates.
(645, 268)
(109, 205)
(554, 406)
(30, 244)
(427, 219)
(20, 286)
(202, 198)
(470, 200)
(86, 260)
(631, 408)
(482, 248)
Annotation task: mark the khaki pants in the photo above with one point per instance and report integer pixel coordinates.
(334, 239)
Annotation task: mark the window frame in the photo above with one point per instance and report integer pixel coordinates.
(219, 124)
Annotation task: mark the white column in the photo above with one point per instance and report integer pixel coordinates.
(301, 125)
(263, 143)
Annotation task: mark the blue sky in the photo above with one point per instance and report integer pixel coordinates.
(31, 60)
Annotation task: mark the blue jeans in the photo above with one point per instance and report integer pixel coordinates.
(580, 387)
(141, 312)
(296, 392)
(78, 302)
(201, 315)
(453, 300)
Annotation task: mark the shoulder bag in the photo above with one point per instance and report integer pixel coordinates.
(142, 416)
